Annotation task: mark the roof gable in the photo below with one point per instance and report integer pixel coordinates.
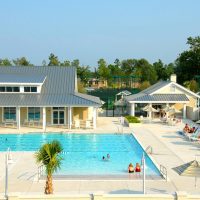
(178, 86)
(154, 94)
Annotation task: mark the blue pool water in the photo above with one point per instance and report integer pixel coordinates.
(83, 152)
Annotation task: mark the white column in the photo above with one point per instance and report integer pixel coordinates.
(132, 113)
(167, 105)
(18, 117)
(44, 119)
(184, 111)
(150, 113)
(94, 117)
(69, 117)
(65, 121)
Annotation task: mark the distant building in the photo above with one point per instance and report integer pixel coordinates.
(97, 83)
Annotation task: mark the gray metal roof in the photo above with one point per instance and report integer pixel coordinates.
(21, 78)
(158, 97)
(59, 88)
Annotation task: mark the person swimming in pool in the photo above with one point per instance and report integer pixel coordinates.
(130, 168)
(103, 158)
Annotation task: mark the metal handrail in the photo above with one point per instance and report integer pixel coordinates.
(120, 129)
(163, 171)
(149, 148)
(40, 170)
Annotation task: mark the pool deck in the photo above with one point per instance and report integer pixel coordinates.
(169, 149)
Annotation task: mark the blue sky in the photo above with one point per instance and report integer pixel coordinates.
(93, 29)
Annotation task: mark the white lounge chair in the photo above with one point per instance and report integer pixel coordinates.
(76, 123)
(88, 124)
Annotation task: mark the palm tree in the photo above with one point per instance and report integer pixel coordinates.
(49, 156)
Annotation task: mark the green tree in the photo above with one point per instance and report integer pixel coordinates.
(53, 60)
(81, 87)
(103, 70)
(22, 62)
(144, 85)
(115, 69)
(188, 62)
(163, 71)
(170, 69)
(49, 156)
(128, 66)
(5, 62)
(192, 85)
(146, 71)
(66, 63)
(75, 63)
(84, 73)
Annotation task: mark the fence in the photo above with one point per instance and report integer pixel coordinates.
(177, 196)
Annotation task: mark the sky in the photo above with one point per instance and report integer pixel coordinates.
(92, 29)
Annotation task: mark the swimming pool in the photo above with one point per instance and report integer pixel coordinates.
(82, 153)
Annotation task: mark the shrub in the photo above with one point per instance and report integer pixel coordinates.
(132, 119)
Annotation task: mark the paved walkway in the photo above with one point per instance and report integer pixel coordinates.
(169, 149)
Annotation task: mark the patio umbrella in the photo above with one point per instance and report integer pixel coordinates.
(171, 110)
(191, 169)
(149, 109)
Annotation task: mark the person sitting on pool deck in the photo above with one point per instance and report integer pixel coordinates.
(186, 128)
(137, 168)
(192, 130)
(130, 168)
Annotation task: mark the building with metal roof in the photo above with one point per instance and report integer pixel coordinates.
(167, 93)
(46, 95)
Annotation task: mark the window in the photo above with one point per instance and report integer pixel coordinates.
(9, 113)
(58, 108)
(2, 89)
(15, 89)
(30, 89)
(27, 89)
(33, 89)
(9, 89)
(33, 113)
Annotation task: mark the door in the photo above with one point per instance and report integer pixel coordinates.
(58, 117)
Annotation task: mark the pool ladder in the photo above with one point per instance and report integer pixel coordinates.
(120, 129)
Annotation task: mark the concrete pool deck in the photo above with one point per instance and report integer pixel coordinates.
(169, 150)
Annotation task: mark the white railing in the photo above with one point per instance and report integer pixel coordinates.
(40, 171)
(149, 149)
(120, 129)
(163, 171)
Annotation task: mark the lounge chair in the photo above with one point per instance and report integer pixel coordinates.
(88, 124)
(192, 135)
(9, 122)
(163, 119)
(195, 136)
(76, 123)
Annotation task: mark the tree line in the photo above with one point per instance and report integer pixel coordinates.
(186, 66)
